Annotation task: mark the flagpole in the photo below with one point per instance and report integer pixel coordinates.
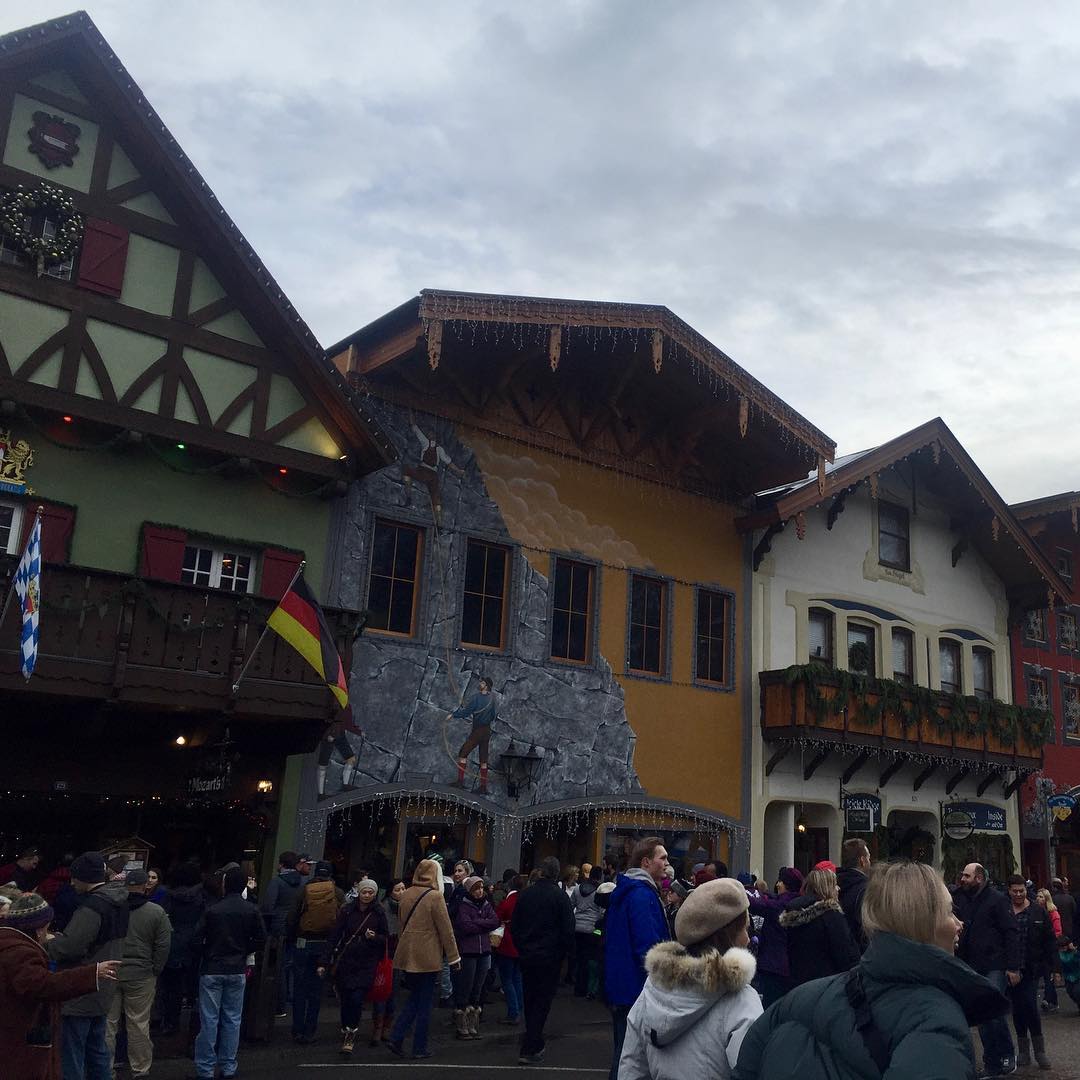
(11, 585)
(266, 629)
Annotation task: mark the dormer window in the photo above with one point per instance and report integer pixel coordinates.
(894, 536)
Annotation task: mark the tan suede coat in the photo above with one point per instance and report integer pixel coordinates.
(426, 934)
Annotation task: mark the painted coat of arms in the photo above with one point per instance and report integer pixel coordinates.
(15, 458)
(54, 140)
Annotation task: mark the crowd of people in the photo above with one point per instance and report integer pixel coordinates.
(851, 971)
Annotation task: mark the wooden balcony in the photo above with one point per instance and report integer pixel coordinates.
(113, 637)
(793, 707)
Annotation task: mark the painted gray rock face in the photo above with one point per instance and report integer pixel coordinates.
(402, 690)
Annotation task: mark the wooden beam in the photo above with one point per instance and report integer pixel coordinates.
(987, 780)
(1013, 785)
(853, 768)
(836, 509)
(401, 344)
(777, 758)
(816, 762)
(924, 775)
(891, 771)
(764, 545)
(954, 780)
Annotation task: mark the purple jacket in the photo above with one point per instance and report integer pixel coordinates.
(772, 954)
(473, 923)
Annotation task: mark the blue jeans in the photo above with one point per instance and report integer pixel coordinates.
(510, 976)
(307, 989)
(83, 1052)
(221, 1003)
(996, 1037)
(421, 988)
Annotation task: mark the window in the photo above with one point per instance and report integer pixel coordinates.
(483, 605)
(1035, 625)
(648, 619)
(11, 516)
(821, 635)
(394, 583)
(1070, 696)
(903, 655)
(982, 672)
(1066, 628)
(860, 645)
(1038, 692)
(214, 568)
(949, 652)
(893, 536)
(1064, 564)
(38, 224)
(713, 635)
(571, 611)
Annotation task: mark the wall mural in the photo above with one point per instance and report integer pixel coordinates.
(404, 691)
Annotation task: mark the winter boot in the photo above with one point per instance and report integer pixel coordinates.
(348, 1040)
(1040, 1051)
(461, 1023)
(473, 1019)
(1023, 1051)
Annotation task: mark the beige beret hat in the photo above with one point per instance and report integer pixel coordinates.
(712, 905)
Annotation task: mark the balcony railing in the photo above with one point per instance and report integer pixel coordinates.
(115, 637)
(814, 702)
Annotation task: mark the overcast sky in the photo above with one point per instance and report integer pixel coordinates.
(873, 207)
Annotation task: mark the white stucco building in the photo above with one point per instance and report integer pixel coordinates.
(902, 564)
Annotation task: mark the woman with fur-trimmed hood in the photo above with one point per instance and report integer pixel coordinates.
(689, 1021)
(819, 941)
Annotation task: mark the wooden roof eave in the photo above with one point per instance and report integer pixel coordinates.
(808, 496)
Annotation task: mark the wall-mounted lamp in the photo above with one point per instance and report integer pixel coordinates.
(521, 769)
(264, 787)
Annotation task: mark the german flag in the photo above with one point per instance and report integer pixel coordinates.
(301, 622)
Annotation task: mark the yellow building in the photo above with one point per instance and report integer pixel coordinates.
(561, 522)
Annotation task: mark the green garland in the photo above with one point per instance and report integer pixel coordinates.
(912, 705)
(16, 206)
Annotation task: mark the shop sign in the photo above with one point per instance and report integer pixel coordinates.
(984, 817)
(210, 785)
(1061, 806)
(862, 813)
(957, 824)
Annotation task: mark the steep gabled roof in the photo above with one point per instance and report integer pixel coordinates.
(75, 39)
(1067, 502)
(780, 505)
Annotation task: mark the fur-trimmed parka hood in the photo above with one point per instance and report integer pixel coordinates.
(805, 910)
(687, 993)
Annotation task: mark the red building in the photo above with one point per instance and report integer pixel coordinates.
(1046, 671)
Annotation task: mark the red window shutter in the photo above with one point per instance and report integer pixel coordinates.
(278, 568)
(162, 552)
(57, 525)
(104, 256)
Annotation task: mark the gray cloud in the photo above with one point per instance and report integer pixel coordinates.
(875, 208)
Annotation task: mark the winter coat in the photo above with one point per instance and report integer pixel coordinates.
(772, 957)
(922, 1000)
(185, 907)
(64, 906)
(635, 922)
(585, 910)
(426, 936)
(357, 957)
(278, 900)
(818, 940)
(990, 940)
(505, 911)
(149, 937)
(542, 924)
(26, 983)
(852, 882)
(96, 932)
(690, 1019)
(473, 924)
(52, 884)
(1039, 944)
(227, 933)
(14, 874)
(1066, 905)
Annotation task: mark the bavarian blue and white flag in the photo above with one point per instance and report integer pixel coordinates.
(28, 590)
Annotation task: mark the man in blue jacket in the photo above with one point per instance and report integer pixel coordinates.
(635, 923)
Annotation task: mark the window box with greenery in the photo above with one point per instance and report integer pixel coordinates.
(812, 696)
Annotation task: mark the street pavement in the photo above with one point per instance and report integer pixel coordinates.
(578, 1045)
